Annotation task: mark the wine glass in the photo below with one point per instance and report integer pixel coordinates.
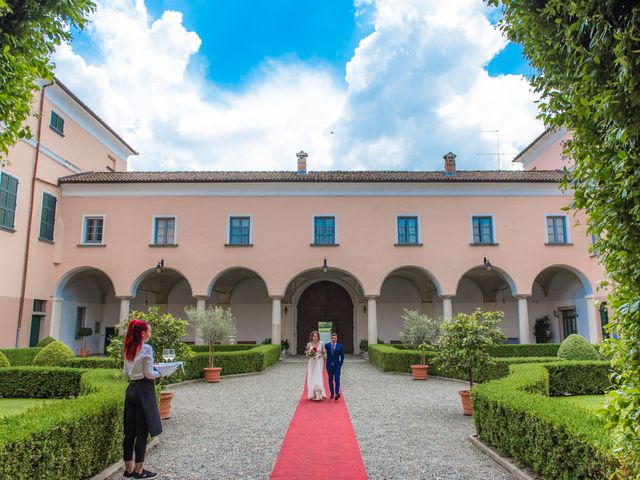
(166, 354)
(171, 354)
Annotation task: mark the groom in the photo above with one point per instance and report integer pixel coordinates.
(335, 358)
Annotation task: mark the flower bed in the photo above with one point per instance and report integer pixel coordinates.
(70, 439)
(254, 359)
(517, 416)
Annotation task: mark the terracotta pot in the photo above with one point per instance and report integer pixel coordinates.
(465, 396)
(212, 375)
(165, 405)
(419, 371)
(84, 352)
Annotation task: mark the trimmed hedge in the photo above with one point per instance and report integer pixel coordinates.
(40, 382)
(46, 341)
(256, 359)
(579, 378)
(391, 359)
(4, 361)
(556, 439)
(576, 347)
(526, 350)
(53, 355)
(222, 348)
(20, 356)
(72, 439)
(90, 362)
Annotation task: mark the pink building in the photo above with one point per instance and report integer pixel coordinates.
(286, 250)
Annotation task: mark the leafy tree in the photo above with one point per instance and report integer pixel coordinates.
(418, 328)
(30, 30)
(587, 59)
(214, 324)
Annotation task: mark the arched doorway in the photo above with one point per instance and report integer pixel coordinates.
(325, 301)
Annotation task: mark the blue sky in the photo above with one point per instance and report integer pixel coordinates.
(381, 74)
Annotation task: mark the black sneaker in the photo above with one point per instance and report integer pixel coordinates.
(145, 474)
(127, 474)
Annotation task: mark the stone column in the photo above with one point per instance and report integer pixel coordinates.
(125, 306)
(447, 307)
(592, 319)
(276, 319)
(524, 328)
(200, 307)
(55, 326)
(372, 321)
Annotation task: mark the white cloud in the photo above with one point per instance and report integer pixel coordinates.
(415, 89)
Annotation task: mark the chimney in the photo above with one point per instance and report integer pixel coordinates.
(302, 162)
(450, 164)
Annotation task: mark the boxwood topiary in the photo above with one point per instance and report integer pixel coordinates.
(45, 341)
(4, 361)
(576, 347)
(53, 355)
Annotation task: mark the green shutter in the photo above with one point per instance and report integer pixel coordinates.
(48, 216)
(8, 200)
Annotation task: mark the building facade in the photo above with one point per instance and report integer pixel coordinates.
(287, 250)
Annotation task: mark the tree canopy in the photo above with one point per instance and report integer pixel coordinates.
(30, 30)
(587, 57)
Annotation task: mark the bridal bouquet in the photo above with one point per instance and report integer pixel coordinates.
(312, 352)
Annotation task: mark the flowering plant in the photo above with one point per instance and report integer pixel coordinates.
(311, 352)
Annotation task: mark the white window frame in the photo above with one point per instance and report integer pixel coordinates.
(418, 227)
(566, 228)
(15, 216)
(55, 217)
(83, 233)
(175, 229)
(493, 228)
(335, 228)
(234, 215)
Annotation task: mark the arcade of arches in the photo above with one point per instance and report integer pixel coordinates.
(86, 297)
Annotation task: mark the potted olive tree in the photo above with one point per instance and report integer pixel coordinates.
(83, 333)
(212, 325)
(420, 331)
(465, 345)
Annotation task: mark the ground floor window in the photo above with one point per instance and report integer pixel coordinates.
(569, 322)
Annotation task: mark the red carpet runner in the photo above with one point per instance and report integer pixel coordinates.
(320, 443)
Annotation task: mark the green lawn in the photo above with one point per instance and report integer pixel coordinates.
(592, 402)
(13, 406)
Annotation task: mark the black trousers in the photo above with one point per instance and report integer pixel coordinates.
(136, 430)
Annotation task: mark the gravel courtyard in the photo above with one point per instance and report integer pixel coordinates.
(234, 430)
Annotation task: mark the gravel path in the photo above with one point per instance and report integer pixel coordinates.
(234, 430)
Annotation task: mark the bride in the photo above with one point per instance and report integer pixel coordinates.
(316, 353)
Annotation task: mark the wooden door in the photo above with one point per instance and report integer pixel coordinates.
(325, 302)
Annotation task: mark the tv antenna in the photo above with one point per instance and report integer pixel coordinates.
(497, 154)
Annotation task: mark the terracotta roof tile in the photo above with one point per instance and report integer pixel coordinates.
(539, 176)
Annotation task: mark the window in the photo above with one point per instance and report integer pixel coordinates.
(165, 231)
(81, 313)
(93, 229)
(48, 216)
(57, 123)
(8, 200)
(569, 323)
(483, 230)
(407, 230)
(557, 229)
(324, 230)
(39, 305)
(239, 231)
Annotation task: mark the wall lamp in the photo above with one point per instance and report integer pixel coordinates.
(487, 264)
(160, 266)
(325, 268)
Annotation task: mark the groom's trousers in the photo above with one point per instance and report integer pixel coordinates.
(334, 376)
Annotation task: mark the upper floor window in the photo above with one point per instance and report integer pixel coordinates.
(407, 230)
(8, 200)
(47, 216)
(165, 231)
(93, 229)
(324, 230)
(483, 230)
(57, 123)
(557, 229)
(239, 230)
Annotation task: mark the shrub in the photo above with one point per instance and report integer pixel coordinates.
(542, 329)
(72, 439)
(556, 439)
(39, 382)
(576, 347)
(234, 362)
(418, 328)
(4, 361)
(215, 324)
(90, 362)
(579, 378)
(53, 355)
(364, 345)
(21, 356)
(46, 341)
(525, 350)
(223, 348)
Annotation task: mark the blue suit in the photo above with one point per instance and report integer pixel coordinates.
(335, 359)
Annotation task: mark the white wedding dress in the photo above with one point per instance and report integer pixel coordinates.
(315, 370)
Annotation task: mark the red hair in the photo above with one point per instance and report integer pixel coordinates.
(133, 338)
